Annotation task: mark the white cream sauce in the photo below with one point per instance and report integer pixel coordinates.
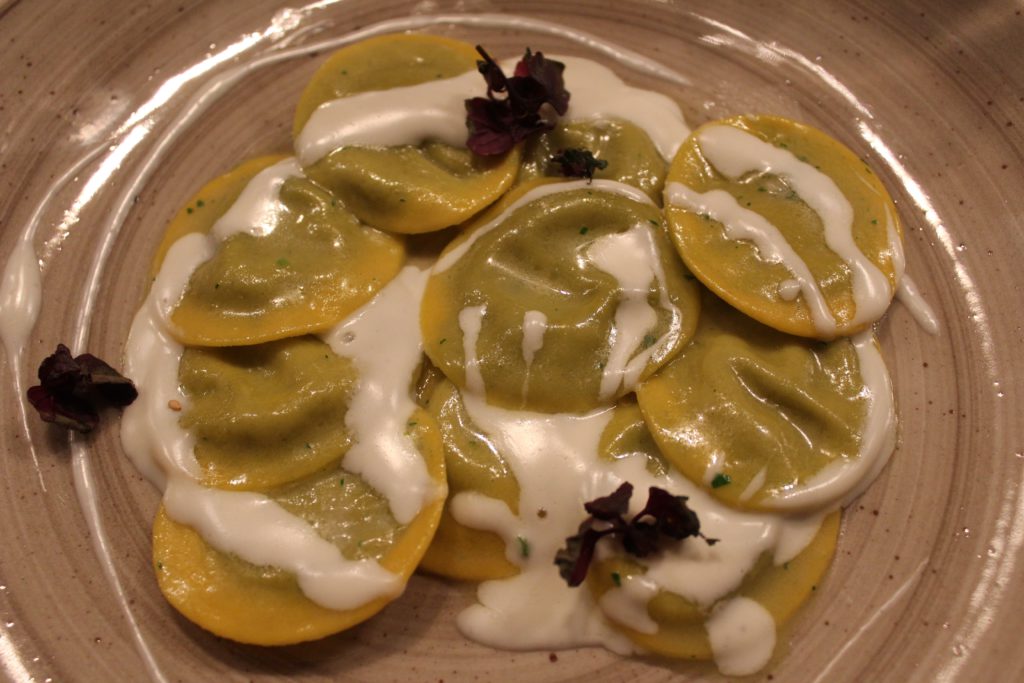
(789, 290)
(471, 320)
(742, 635)
(632, 258)
(907, 292)
(535, 324)
(150, 433)
(384, 341)
(436, 110)
(597, 93)
(21, 292)
(555, 460)
(734, 153)
(408, 115)
(910, 296)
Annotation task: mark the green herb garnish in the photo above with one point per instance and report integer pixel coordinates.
(579, 163)
(721, 480)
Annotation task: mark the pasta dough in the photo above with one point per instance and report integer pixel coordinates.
(537, 257)
(300, 262)
(264, 605)
(419, 185)
(785, 224)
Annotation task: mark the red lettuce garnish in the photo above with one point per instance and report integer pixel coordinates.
(511, 112)
(664, 516)
(579, 163)
(71, 390)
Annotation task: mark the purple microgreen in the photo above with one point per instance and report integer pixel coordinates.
(511, 111)
(664, 518)
(613, 506)
(492, 73)
(574, 559)
(549, 75)
(106, 382)
(670, 513)
(68, 413)
(71, 389)
(579, 163)
(492, 127)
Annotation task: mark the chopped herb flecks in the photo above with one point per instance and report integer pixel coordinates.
(616, 578)
(664, 517)
(721, 480)
(524, 546)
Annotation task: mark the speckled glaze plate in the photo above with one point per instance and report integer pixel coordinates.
(113, 113)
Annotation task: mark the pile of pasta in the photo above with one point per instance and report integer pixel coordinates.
(361, 307)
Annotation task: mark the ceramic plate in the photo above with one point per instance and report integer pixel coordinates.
(113, 113)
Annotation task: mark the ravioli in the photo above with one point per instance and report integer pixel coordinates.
(265, 415)
(421, 185)
(682, 626)
(631, 156)
(754, 415)
(314, 265)
(786, 224)
(558, 299)
(627, 436)
(264, 605)
(473, 466)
